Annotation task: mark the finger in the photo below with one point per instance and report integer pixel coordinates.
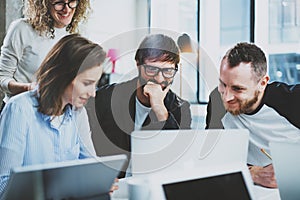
(113, 188)
(145, 92)
(150, 83)
(166, 90)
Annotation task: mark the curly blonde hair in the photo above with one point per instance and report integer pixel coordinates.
(39, 17)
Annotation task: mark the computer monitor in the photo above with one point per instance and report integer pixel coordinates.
(223, 186)
(161, 151)
(90, 178)
(176, 161)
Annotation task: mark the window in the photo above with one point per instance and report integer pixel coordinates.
(175, 18)
(284, 38)
(223, 24)
(119, 26)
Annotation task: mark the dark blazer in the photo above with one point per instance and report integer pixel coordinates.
(115, 111)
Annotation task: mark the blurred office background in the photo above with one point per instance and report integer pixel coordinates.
(213, 25)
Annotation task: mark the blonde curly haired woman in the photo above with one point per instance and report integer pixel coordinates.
(29, 39)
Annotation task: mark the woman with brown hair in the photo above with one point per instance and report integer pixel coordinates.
(50, 124)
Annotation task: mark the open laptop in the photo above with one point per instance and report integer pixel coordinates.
(175, 161)
(285, 156)
(89, 178)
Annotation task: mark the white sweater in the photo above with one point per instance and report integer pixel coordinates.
(22, 53)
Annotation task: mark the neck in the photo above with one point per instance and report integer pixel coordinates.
(257, 103)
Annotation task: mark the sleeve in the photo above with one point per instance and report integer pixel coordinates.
(85, 135)
(215, 111)
(11, 53)
(285, 100)
(13, 129)
(180, 121)
(180, 118)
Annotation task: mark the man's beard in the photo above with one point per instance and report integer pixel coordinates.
(245, 105)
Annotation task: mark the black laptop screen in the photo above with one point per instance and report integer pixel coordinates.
(229, 186)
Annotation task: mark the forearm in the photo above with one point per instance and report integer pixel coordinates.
(161, 112)
(16, 87)
(11, 52)
(176, 118)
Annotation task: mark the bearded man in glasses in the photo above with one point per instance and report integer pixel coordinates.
(143, 103)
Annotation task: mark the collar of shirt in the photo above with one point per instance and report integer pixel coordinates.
(68, 111)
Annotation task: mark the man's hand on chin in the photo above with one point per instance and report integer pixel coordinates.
(156, 97)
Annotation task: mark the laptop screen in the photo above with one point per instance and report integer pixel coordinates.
(77, 179)
(226, 186)
(160, 151)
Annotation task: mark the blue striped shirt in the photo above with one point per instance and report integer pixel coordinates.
(29, 137)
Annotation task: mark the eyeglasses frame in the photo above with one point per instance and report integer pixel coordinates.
(160, 70)
(65, 3)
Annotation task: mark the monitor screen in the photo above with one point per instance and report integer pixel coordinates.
(76, 179)
(227, 186)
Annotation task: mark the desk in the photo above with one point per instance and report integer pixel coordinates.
(263, 193)
(260, 192)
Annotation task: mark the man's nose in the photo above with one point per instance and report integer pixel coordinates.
(159, 77)
(227, 95)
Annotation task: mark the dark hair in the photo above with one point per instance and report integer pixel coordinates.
(184, 41)
(157, 47)
(72, 55)
(248, 53)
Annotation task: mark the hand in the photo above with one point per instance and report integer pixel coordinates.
(31, 86)
(263, 176)
(114, 186)
(156, 96)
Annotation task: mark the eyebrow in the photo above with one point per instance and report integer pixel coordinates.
(90, 80)
(233, 86)
(221, 81)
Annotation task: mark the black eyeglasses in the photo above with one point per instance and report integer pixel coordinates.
(60, 5)
(166, 72)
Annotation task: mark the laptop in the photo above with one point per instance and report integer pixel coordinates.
(89, 178)
(285, 157)
(177, 162)
(159, 151)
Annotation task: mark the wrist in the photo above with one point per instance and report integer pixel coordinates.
(161, 112)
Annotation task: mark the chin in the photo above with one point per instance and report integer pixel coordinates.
(233, 111)
(79, 105)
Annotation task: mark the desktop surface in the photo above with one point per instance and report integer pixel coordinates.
(260, 193)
